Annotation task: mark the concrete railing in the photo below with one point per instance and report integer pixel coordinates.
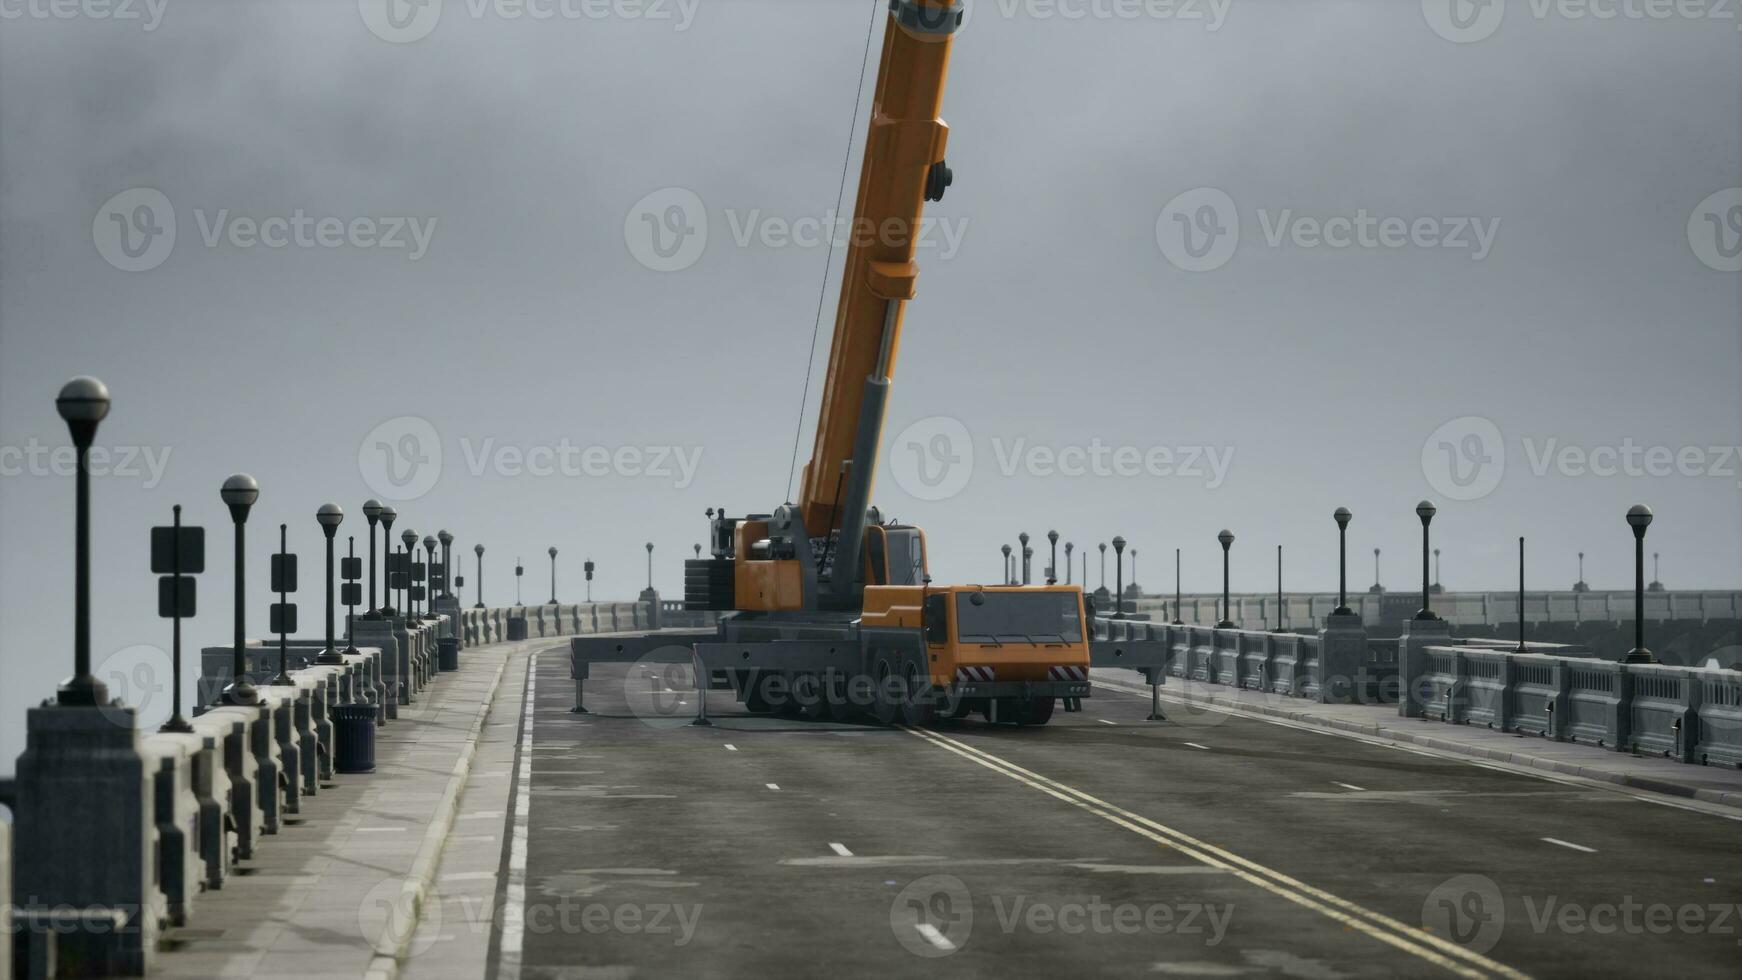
(1689, 714)
(118, 832)
(578, 619)
(1462, 609)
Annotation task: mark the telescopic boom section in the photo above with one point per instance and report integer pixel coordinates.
(903, 168)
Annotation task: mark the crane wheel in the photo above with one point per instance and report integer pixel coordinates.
(1032, 711)
(886, 696)
(918, 709)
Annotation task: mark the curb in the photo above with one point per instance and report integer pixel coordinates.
(1666, 787)
(384, 965)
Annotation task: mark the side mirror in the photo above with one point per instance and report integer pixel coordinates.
(936, 618)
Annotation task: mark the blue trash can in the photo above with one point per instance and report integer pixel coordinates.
(354, 733)
(448, 652)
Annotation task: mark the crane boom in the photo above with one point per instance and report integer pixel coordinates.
(903, 168)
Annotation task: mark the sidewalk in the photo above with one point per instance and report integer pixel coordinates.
(1708, 784)
(335, 893)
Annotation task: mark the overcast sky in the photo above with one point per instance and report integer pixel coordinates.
(1483, 255)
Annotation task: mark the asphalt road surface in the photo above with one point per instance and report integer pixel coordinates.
(1100, 845)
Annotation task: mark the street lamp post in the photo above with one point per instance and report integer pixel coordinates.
(1103, 547)
(1280, 625)
(1227, 539)
(239, 494)
(650, 566)
(1377, 589)
(429, 575)
(478, 588)
(1521, 593)
(1069, 547)
(372, 513)
(1439, 587)
(388, 516)
(1119, 577)
(1176, 592)
(1052, 566)
(1425, 510)
(552, 553)
(1638, 518)
(587, 567)
(1027, 553)
(330, 516)
(82, 403)
(1005, 551)
(350, 589)
(408, 602)
(519, 573)
(447, 541)
(1342, 516)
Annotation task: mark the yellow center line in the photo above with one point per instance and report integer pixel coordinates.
(1416, 942)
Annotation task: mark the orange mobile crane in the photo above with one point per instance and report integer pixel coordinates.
(830, 610)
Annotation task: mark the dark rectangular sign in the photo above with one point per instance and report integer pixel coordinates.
(397, 581)
(396, 562)
(417, 593)
(351, 594)
(283, 573)
(417, 571)
(164, 542)
(175, 596)
(350, 569)
(283, 616)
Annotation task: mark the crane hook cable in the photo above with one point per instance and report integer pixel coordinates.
(823, 290)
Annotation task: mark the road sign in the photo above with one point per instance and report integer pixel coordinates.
(283, 573)
(396, 563)
(397, 581)
(351, 594)
(165, 542)
(350, 569)
(175, 596)
(417, 571)
(283, 616)
(417, 593)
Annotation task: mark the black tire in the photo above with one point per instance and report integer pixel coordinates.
(918, 709)
(1033, 711)
(886, 695)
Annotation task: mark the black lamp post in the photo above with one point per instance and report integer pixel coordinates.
(1227, 539)
(1005, 550)
(587, 569)
(478, 550)
(1342, 516)
(1136, 590)
(1176, 592)
(1069, 547)
(1521, 593)
(1052, 566)
(372, 513)
(82, 403)
(649, 566)
(519, 573)
(330, 517)
(1638, 518)
(1656, 576)
(239, 494)
(1425, 510)
(447, 541)
(429, 570)
(1439, 588)
(1377, 589)
(350, 589)
(1119, 576)
(553, 573)
(409, 538)
(1027, 553)
(1580, 585)
(1103, 547)
(388, 516)
(1280, 625)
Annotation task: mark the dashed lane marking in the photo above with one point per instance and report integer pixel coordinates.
(1569, 844)
(774, 786)
(840, 849)
(933, 936)
(1358, 789)
(1195, 745)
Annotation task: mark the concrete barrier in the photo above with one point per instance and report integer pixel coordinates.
(176, 813)
(1719, 739)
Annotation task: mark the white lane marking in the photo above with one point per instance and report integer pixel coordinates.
(1358, 789)
(772, 785)
(1563, 843)
(840, 849)
(730, 747)
(380, 830)
(1391, 742)
(1195, 745)
(469, 876)
(514, 891)
(933, 936)
(1106, 722)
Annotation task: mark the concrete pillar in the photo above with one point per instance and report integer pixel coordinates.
(1344, 674)
(385, 636)
(78, 862)
(650, 603)
(1418, 635)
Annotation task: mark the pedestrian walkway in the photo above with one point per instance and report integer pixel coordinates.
(1717, 785)
(336, 893)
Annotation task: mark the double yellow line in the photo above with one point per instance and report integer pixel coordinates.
(1416, 942)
